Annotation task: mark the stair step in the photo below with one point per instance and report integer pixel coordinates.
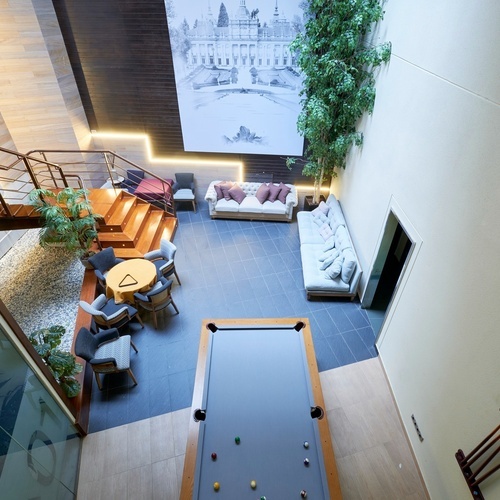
(121, 213)
(20, 211)
(167, 232)
(153, 225)
(137, 220)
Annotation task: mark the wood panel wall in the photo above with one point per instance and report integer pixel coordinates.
(120, 55)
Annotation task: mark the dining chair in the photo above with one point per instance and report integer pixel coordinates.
(108, 314)
(102, 262)
(163, 259)
(106, 352)
(157, 299)
(183, 188)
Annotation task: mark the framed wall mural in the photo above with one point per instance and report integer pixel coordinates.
(237, 81)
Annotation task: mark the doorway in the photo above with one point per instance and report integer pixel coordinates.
(389, 266)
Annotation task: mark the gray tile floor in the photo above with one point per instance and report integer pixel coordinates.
(228, 269)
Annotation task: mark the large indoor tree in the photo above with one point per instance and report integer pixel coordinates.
(338, 59)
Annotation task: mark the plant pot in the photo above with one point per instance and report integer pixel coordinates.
(308, 203)
(85, 262)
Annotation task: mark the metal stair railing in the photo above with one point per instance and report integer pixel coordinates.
(21, 173)
(97, 168)
(18, 178)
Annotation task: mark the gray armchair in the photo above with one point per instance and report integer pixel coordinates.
(106, 352)
(157, 299)
(183, 188)
(108, 314)
(102, 262)
(163, 259)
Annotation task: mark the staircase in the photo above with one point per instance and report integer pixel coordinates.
(130, 225)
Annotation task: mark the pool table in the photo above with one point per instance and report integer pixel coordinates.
(257, 427)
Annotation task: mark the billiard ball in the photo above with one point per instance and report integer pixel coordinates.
(216, 486)
(303, 494)
(306, 462)
(306, 445)
(214, 456)
(237, 440)
(253, 484)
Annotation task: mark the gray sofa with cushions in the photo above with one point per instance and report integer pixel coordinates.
(329, 262)
(249, 206)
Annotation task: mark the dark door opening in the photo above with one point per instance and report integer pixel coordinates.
(389, 265)
(396, 258)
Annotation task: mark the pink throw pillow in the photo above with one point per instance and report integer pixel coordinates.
(274, 191)
(218, 191)
(237, 194)
(225, 187)
(262, 193)
(284, 190)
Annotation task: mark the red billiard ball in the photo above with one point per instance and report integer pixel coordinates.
(214, 456)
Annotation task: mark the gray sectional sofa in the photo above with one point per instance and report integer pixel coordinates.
(250, 207)
(329, 262)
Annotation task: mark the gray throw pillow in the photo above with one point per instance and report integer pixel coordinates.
(335, 268)
(348, 266)
(325, 231)
(320, 219)
(327, 262)
(327, 254)
(329, 244)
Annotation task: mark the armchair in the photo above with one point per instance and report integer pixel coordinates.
(183, 188)
(108, 314)
(106, 352)
(158, 298)
(163, 259)
(102, 262)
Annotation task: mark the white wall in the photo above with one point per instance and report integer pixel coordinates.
(433, 145)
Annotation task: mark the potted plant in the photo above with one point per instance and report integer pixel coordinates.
(338, 62)
(67, 218)
(62, 364)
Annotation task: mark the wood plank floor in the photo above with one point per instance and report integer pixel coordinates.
(145, 459)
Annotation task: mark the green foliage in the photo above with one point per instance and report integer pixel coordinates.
(223, 19)
(338, 62)
(67, 217)
(62, 364)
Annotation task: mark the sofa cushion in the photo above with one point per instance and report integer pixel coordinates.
(262, 193)
(236, 193)
(273, 192)
(275, 207)
(227, 206)
(283, 192)
(348, 266)
(251, 205)
(308, 231)
(325, 231)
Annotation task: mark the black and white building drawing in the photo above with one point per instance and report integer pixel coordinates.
(237, 81)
